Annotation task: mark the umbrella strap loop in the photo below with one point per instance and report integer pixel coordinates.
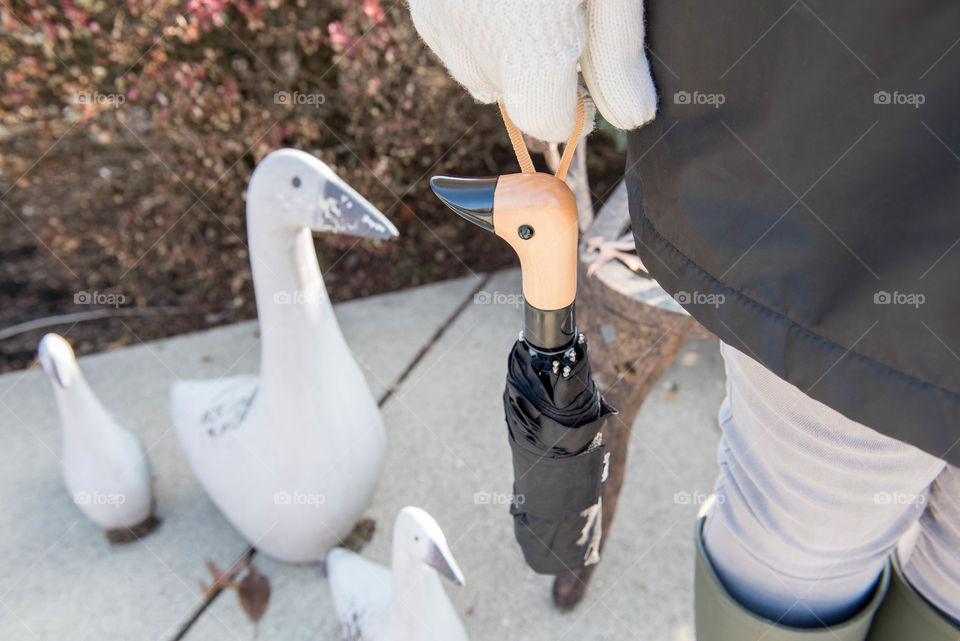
(520, 147)
(550, 487)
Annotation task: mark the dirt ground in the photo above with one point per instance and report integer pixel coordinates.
(65, 211)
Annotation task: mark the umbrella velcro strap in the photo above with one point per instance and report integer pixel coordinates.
(559, 462)
(556, 487)
(557, 509)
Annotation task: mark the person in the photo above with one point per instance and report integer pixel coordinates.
(793, 170)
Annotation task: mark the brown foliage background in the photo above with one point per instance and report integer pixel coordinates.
(128, 132)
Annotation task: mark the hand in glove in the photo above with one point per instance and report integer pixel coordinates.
(525, 53)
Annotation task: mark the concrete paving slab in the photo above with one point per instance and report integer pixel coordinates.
(386, 332)
(448, 454)
(59, 578)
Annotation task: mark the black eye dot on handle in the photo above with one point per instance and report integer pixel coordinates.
(525, 232)
(296, 181)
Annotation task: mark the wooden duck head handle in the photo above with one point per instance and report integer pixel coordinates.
(536, 214)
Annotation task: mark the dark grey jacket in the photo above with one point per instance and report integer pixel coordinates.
(799, 192)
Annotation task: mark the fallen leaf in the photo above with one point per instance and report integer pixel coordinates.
(360, 535)
(221, 579)
(254, 594)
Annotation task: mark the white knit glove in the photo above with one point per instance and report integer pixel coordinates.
(525, 52)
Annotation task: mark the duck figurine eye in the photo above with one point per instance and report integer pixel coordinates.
(296, 181)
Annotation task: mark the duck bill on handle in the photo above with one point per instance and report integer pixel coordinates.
(536, 214)
(471, 198)
(341, 210)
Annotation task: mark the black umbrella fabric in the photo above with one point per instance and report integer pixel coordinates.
(554, 415)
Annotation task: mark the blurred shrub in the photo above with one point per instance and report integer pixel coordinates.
(204, 89)
(129, 129)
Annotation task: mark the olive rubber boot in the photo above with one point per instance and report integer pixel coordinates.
(720, 618)
(905, 614)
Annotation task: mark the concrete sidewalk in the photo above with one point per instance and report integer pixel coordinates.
(59, 578)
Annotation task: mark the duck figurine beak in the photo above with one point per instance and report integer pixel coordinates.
(440, 558)
(536, 213)
(341, 210)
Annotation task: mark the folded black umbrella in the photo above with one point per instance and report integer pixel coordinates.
(554, 416)
(553, 410)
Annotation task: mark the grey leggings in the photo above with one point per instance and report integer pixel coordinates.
(810, 504)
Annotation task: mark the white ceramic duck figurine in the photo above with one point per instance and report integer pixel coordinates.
(104, 465)
(291, 457)
(407, 601)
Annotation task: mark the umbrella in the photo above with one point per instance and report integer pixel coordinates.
(554, 415)
(554, 411)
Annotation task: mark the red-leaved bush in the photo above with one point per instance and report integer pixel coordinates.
(128, 131)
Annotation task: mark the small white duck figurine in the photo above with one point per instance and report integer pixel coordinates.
(291, 457)
(104, 464)
(406, 602)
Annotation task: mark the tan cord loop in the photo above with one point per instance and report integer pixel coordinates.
(516, 139)
(572, 140)
(523, 154)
